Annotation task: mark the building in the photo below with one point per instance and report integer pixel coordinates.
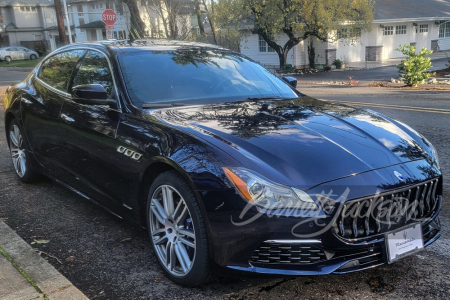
(396, 22)
(86, 16)
(23, 23)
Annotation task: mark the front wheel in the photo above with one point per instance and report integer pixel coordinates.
(177, 231)
(33, 56)
(7, 59)
(19, 154)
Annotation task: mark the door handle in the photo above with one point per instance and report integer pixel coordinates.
(67, 118)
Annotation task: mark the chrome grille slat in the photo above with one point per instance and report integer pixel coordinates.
(408, 215)
(387, 212)
(287, 254)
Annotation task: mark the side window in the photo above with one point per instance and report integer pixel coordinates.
(94, 69)
(57, 70)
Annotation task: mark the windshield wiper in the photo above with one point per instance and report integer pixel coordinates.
(162, 105)
(263, 98)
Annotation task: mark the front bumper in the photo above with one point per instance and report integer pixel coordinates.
(235, 238)
(345, 261)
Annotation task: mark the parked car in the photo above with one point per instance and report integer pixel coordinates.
(17, 53)
(229, 167)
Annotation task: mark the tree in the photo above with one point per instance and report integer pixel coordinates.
(137, 29)
(174, 16)
(209, 8)
(198, 13)
(413, 68)
(300, 19)
(230, 27)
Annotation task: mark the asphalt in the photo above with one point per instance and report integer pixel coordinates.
(108, 258)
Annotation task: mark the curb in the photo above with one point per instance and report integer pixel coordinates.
(18, 69)
(39, 272)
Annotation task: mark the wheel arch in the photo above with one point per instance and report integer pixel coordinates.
(154, 169)
(9, 116)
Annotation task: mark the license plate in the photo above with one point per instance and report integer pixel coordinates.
(404, 242)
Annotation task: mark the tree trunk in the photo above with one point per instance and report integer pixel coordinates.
(60, 20)
(282, 55)
(135, 18)
(198, 12)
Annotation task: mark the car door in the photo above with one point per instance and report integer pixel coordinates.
(11, 52)
(23, 53)
(90, 143)
(41, 105)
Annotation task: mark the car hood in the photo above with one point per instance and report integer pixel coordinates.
(300, 142)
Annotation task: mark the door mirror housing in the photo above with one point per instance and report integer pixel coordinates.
(91, 94)
(291, 81)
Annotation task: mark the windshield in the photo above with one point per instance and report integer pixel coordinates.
(187, 76)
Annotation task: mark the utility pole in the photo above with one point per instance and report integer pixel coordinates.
(60, 20)
(66, 10)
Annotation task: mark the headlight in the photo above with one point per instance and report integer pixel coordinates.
(436, 156)
(266, 193)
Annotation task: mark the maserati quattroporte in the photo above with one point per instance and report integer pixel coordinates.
(227, 166)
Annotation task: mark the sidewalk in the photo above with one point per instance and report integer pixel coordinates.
(391, 62)
(25, 275)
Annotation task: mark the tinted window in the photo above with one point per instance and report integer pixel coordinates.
(57, 70)
(94, 69)
(207, 75)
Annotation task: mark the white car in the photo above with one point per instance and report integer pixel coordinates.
(17, 53)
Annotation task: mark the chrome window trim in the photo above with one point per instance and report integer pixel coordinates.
(55, 90)
(65, 94)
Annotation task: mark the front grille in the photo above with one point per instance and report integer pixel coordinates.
(386, 212)
(273, 253)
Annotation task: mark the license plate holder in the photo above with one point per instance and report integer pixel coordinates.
(404, 242)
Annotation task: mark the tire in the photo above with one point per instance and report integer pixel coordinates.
(33, 56)
(8, 59)
(179, 232)
(18, 148)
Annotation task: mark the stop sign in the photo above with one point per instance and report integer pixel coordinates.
(109, 17)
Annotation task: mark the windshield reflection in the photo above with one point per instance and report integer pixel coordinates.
(190, 75)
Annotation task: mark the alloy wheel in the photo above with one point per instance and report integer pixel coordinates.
(172, 230)
(17, 149)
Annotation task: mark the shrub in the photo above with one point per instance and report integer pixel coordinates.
(338, 63)
(327, 68)
(413, 68)
(288, 68)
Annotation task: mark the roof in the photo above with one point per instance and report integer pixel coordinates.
(51, 28)
(26, 2)
(149, 45)
(95, 24)
(411, 9)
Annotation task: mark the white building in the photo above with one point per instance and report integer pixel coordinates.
(424, 23)
(22, 23)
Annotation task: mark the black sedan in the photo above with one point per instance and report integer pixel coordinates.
(229, 167)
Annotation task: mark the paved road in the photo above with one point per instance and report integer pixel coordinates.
(108, 258)
(377, 74)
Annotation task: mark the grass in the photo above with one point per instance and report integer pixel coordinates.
(26, 63)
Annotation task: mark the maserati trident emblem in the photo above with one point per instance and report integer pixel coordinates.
(405, 234)
(399, 176)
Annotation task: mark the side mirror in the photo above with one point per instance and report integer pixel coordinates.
(291, 81)
(91, 94)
